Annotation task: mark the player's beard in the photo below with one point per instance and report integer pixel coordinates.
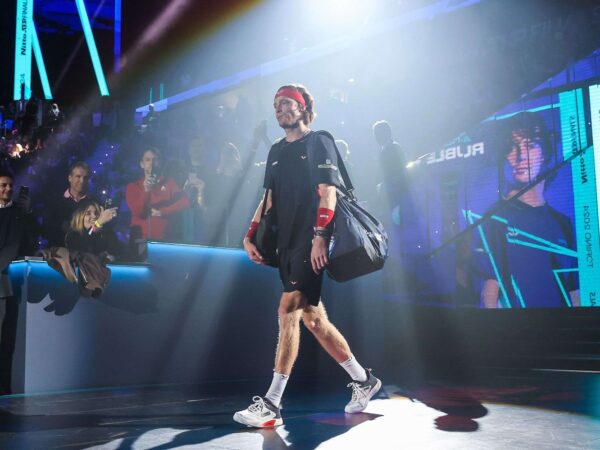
(291, 126)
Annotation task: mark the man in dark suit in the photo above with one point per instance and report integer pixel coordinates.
(17, 237)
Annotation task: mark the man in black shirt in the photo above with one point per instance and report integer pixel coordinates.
(301, 179)
(391, 163)
(58, 216)
(17, 237)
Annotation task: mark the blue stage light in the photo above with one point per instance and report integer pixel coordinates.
(39, 59)
(91, 43)
(23, 49)
(117, 43)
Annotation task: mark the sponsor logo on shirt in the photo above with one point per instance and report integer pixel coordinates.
(327, 165)
(274, 163)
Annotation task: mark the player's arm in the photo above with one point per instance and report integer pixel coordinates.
(575, 298)
(319, 257)
(489, 293)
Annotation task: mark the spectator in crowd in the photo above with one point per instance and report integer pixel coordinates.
(391, 162)
(89, 234)
(153, 199)
(345, 154)
(17, 237)
(222, 193)
(88, 248)
(190, 221)
(230, 164)
(61, 209)
(54, 117)
(194, 227)
(152, 117)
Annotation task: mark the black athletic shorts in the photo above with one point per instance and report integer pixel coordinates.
(296, 273)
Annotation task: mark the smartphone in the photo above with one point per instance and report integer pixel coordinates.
(24, 190)
(108, 203)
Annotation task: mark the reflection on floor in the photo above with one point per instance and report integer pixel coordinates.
(517, 411)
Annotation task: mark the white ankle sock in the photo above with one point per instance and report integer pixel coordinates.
(277, 387)
(354, 369)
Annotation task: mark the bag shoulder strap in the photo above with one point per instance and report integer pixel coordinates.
(275, 148)
(348, 188)
(264, 204)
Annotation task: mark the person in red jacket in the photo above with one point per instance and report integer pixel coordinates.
(153, 200)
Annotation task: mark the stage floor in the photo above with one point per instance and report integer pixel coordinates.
(533, 410)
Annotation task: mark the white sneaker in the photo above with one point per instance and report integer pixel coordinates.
(261, 414)
(362, 393)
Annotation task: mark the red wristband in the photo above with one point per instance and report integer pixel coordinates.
(252, 230)
(324, 217)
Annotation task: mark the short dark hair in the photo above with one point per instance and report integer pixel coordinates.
(80, 165)
(531, 126)
(382, 129)
(149, 149)
(6, 173)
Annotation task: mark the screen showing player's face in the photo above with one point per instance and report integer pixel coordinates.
(287, 112)
(525, 158)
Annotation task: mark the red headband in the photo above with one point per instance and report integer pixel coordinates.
(292, 93)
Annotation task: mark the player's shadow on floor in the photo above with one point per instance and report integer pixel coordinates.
(302, 431)
(60, 296)
(459, 406)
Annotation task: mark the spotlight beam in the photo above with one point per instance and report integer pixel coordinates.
(315, 52)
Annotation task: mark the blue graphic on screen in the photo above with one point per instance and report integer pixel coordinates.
(574, 139)
(511, 263)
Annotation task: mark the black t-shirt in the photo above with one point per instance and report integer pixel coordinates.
(393, 168)
(104, 240)
(293, 177)
(58, 219)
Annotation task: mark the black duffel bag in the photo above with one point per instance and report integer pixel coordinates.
(359, 243)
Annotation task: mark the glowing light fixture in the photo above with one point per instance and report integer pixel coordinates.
(91, 43)
(39, 59)
(23, 49)
(117, 43)
(303, 56)
(345, 12)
